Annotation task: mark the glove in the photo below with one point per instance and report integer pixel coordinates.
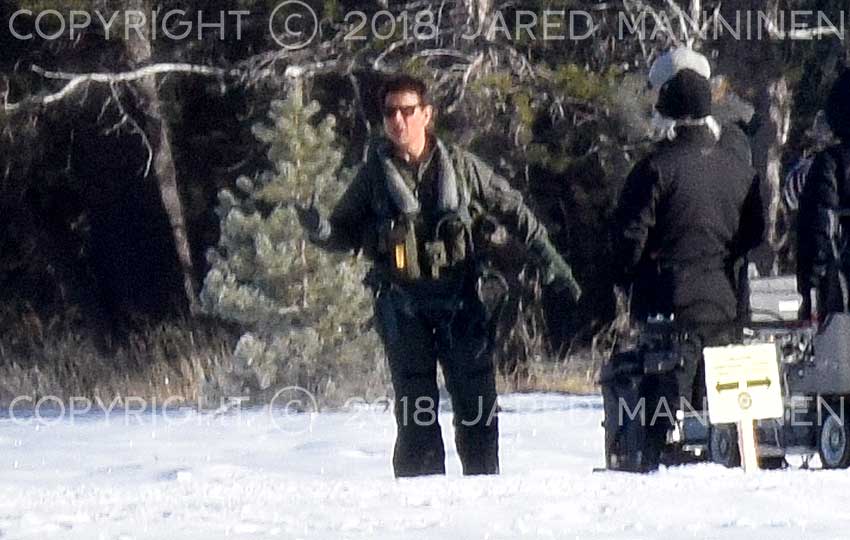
(317, 227)
(556, 272)
(563, 280)
(818, 274)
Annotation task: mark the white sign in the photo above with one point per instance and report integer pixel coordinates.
(742, 383)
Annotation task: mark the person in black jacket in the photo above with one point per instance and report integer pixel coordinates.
(693, 208)
(726, 128)
(823, 255)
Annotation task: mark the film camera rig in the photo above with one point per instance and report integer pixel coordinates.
(813, 359)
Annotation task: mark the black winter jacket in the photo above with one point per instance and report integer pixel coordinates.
(822, 238)
(692, 209)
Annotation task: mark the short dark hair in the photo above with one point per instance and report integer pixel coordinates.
(404, 83)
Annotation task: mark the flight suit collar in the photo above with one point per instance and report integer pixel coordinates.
(404, 179)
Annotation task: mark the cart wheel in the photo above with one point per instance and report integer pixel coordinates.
(834, 447)
(723, 445)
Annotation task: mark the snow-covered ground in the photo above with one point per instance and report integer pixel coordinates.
(261, 474)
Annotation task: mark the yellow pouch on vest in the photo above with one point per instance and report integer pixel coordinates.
(404, 257)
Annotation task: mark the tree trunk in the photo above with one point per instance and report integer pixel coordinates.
(756, 69)
(779, 111)
(159, 136)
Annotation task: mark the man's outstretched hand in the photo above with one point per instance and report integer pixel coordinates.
(316, 226)
(556, 272)
(560, 278)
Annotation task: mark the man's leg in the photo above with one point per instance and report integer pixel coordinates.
(471, 381)
(691, 388)
(408, 342)
(709, 337)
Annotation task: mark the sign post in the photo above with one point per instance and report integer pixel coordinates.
(742, 384)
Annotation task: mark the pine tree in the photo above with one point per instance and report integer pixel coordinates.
(305, 309)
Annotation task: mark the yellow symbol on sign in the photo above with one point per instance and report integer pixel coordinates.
(742, 381)
(743, 385)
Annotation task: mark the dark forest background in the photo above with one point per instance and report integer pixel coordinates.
(108, 191)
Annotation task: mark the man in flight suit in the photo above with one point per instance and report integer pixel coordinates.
(412, 209)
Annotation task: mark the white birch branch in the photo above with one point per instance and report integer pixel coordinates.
(78, 80)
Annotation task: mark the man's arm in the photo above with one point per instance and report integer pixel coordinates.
(505, 203)
(750, 234)
(343, 230)
(816, 221)
(753, 222)
(634, 218)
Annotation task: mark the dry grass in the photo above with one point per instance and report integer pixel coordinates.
(579, 375)
(191, 362)
(184, 361)
(168, 360)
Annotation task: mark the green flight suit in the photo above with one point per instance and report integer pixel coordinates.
(436, 315)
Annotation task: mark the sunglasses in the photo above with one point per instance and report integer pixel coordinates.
(406, 110)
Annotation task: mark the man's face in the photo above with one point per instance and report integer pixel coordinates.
(405, 118)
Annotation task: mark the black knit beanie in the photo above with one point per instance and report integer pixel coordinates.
(686, 95)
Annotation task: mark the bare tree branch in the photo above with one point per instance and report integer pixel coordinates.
(473, 66)
(298, 71)
(256, 68)
(134, 127)
(77, 80)
(361, 112)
